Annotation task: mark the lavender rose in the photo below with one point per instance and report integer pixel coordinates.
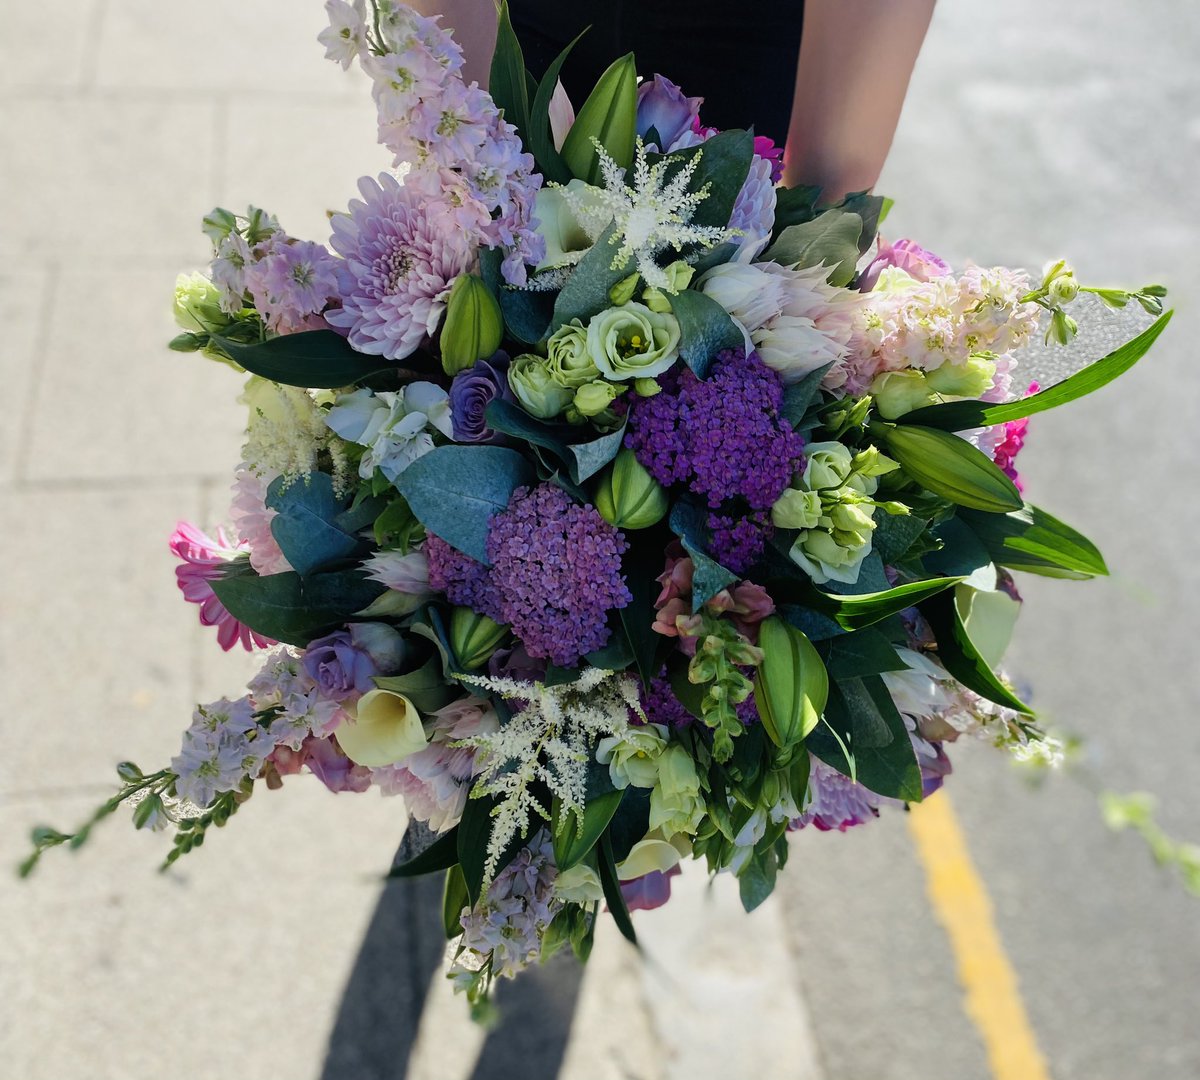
(663, 106)
(343, 663)
(470, 394)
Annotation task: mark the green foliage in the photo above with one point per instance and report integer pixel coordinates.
(454, 490)
(951, 467)
(425, 687)
(725, 161)
(454, 900)
(756, 880)
(1136, 811)
(317, 359)
(612, 890)
(309, 527)
(190, 832)
(705, 329)
(582, 459)
(961, 415)
(865, 609)
(828, 240)
(539, 141)
(585, 292)
(575, 838)
(609, 115)
(800, 396)
(866, 653)
(506, 83)
(1033, 540)
(440, 855)
(794, 206)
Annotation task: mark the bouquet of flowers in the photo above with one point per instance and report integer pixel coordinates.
(609, 502)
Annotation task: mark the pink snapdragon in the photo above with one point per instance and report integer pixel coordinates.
(204, 560)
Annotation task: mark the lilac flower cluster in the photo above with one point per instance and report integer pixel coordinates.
(464, 581)
(557, 567)
(437, 125)
(738, 542)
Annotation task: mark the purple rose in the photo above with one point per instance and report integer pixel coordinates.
(343, 663)
(908, 256)
(662, 105)
(331, 766)
(470, 394)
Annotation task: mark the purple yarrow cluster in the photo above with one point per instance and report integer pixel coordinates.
(738, 542)
(722, 436)
(557, 567)
(465, 582)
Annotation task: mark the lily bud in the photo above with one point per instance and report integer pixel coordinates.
(791, 685)
(474, 637)
(473, 325)
(628, 496)
(610, 117)
(952, 468)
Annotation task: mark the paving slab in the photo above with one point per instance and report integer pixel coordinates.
(24, 299)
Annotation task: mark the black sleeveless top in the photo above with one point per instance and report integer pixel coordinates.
(741, 58)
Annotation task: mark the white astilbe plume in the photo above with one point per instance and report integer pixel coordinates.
(548, 739)
(646, 218)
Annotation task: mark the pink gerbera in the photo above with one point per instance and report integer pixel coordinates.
(203, 560)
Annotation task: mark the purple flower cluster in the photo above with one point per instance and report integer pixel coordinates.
(661, 706)
(557, 568)
(464, 581)
(722, 436)
(737, 542)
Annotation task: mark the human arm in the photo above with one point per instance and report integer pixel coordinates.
(856, 58)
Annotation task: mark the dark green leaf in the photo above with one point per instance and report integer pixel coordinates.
(612, 890)
(440, 855)
(867, 652)
(454, 490)
(868, 207)
(292, 609)
(426, 687)
(474, 830)
(506, 82)
(616, 655)
(305, 526)
(527, 313)
(510, 419)
(705, 329)
(862, 714)
(894, 534)
(1034, 541)
(795, 206)
(871, 578)
(540, 141)
(560, 676)
(454, 900)
(572, 842)
(585, 292)
(724, 165)
(816, 627)
(962, 553)
(828, 240)
(800, 395)
(757, 879)
(961, 415)
(588, 458)
(857, 612)
(630, 823)
(960, 657)
(318, 359)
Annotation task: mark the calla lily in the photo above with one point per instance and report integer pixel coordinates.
(649, 855)
(566, 240)
(386, 729)
(579, 884)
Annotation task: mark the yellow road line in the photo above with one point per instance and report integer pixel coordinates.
(961, 903)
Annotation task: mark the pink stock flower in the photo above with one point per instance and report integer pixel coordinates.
(203, 561)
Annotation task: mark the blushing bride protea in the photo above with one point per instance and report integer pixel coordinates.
(400, 259)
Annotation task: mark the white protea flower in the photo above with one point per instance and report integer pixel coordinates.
(647, 218)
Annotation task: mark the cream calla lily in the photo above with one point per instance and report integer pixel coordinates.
(385, 730)
(579, 885)
(651, 854)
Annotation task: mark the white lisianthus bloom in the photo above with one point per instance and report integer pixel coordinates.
(393, 426)
(632, 757)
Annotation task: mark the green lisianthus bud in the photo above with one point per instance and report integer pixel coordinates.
(1064, 289)
(646, 387)
(970, 379)
(633, 342)
(593, 398)
(827, 465)
(531, 382)
(628, 496)
(567, 357)
(473, 325)
(622, 292)
(900, 392)
(797, 510)
(656, 300)
(474, 637)
(198, 305)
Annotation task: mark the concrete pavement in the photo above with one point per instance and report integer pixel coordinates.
(1030, 132)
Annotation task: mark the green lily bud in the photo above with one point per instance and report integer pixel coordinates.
(473, 325)
(628, 496)
(622, 292)
(646, 387)
(534, 387)
(610, 117)
(952, 468)
(791, 685)
(595, 397)
(474, 637)
(567, 357)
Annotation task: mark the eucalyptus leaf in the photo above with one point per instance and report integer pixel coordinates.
(705, 328)
(831, 239)
(588, 458)
(455, 490)
(305, 526)
(585, 292)
(801, 395)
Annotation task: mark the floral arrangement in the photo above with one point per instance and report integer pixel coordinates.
(608, 501)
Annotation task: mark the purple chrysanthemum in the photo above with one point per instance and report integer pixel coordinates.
(722, 435)
(463, 580)
(836, 801)
(556, 566)
(401, 256)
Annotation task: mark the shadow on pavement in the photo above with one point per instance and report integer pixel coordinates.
(380, 1011)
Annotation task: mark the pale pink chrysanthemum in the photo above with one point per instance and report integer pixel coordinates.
(400, 260)
(204, 559)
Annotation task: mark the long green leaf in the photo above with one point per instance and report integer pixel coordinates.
(866, 609)
(440, 855)
(612, 891)
(454, 899)
(506, 83)
(540, 141)
(961, 415)
(962, 659)
(316, 359)
(572, 839)
(1037, 542)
